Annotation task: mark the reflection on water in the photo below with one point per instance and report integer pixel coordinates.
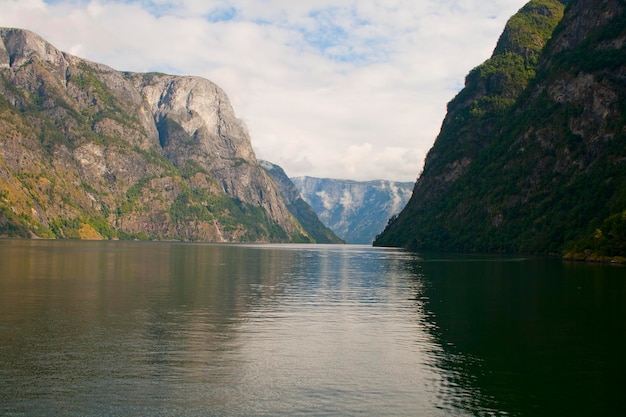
(129, 328)
(532, 337)
(103, 328)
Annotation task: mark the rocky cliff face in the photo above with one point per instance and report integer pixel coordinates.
(355, 210)
(549, 176)
(87, 151)
(301, 210)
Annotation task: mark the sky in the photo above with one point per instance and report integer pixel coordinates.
(350, 89)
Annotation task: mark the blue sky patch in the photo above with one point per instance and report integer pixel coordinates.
(225, 14)
(333, 36)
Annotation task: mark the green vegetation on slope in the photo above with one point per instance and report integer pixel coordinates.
(76, 162)
(547, 171)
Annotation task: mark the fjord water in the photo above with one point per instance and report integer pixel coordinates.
(172, 329)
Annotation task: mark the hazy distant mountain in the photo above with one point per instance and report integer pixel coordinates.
(356, 211)
(302, 211)
(90, 152)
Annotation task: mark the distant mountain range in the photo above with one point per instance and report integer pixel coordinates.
(531, 157)
(356, 211)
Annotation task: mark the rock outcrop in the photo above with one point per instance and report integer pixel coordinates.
(83, 146)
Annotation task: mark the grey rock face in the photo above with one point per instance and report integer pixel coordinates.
(146, 152)
(196, 123)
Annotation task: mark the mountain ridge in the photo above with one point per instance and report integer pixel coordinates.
(90, 151)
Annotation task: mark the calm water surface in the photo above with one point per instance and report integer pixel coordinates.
(170, 329)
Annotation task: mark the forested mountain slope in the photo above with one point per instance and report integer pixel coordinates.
(531, 157)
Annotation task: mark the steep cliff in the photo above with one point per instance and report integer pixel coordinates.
(90, 152)
(301, 210)
(545, 172)
(355, 210)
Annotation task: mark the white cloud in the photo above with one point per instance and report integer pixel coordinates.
(328, 88)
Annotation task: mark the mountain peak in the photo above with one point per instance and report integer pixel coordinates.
(18, 46)
(527, 32)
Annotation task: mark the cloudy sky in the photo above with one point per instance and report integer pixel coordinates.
(353, 89)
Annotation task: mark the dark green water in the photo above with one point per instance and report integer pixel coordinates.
(160, 329)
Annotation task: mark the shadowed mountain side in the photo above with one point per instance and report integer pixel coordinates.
(301, 210)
